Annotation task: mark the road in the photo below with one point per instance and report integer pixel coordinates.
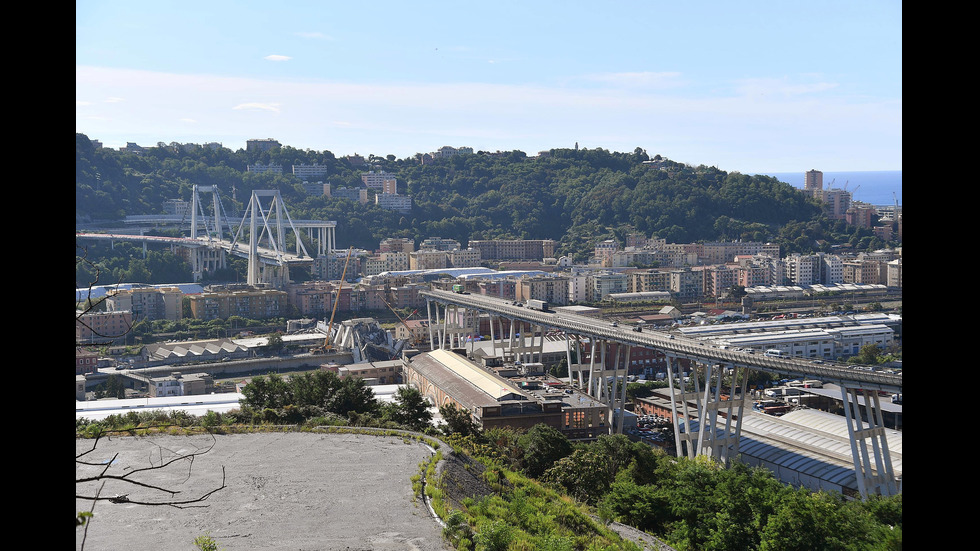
(672, 344)
(299, 491)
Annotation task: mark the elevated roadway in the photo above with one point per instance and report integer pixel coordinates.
(719, 414)
(675, 345)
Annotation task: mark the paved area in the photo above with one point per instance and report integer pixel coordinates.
(297, 491)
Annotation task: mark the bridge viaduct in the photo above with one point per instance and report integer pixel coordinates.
(720, 409)
(260, 237)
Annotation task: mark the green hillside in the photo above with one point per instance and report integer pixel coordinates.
(576, 197)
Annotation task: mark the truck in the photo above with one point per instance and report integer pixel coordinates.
(536, 304)
(805, 383)
(459, 289)
(782, 392)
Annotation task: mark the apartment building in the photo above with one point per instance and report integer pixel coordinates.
(894, 273)
(578, 287)
(413, 331)
(396, 244)
(382, 373)
(836, 203)
(863, 271)
(678, 255)
(367, 298)
(260, 145)
(177, 207)
(860, 215)
(147, 303)
(103, 326)
(393, 202)
(831, 269)
(379, 181)
(604, 251)
(647, 281)
(719, 279)
(264, 169)
(331, 267)
(439, 244)
(686, 284)
(358, 195)
(551, 289)
(515, 249)
(813, 183)
(312, 298)
(86, 361)
(602, 284)
(638, 258)
(464, 258)
(754, 275)
(498, 288)
(725, 251)
(407, 295)
(316, 188)
(310, 172)
(801, 269)
(428, 259)
(449, 151)
(251, 303)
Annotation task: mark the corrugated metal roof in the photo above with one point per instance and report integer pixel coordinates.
(496, 387)
(812, 443)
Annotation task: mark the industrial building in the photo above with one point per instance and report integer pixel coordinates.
(447, 377)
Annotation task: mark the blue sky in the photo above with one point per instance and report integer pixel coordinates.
(755, 86)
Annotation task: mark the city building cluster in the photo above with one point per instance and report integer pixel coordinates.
(648, 270)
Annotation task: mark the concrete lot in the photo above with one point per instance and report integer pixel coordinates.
(296, 491)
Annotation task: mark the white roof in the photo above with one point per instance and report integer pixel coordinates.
(198, 405)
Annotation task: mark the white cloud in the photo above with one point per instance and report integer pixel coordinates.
(734, 131)
(256, 106)
(275, 57)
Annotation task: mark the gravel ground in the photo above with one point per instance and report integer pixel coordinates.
(296, 491)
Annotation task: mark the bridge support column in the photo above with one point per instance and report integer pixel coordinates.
(428, 312)
(879, 479)
(721, 444)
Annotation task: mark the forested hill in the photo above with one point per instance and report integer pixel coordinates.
(576, 197)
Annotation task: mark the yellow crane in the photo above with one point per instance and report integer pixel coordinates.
(326, 343)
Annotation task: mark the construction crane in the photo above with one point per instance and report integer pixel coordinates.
(327, 347)
(411, 336)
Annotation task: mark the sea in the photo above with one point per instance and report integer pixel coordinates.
(877, 187)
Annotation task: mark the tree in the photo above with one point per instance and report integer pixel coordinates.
(819, 521)
(457, 421)
(274, 343)
(543, 446)
(411, 409)
(353, 395)
(870, 354)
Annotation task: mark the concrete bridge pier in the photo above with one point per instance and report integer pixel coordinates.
(444, 333)
(206, 259)
(709, 403)
(865, 429)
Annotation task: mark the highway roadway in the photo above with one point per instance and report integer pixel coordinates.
(675, 345)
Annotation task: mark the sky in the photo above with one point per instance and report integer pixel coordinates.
(754, 87)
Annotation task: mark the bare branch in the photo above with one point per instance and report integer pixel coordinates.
(132, 476)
